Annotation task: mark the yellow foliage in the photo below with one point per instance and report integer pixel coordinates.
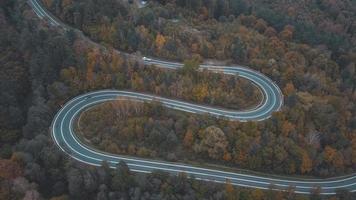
(201, 92)
(230, 191)
(107, 32)
(257, 194)
(160, 41)
(307, 163)
(329, 154)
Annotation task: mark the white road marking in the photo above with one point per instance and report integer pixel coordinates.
(257, 78)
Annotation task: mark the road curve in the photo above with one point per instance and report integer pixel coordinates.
(65, 137)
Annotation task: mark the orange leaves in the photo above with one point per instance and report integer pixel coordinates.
(240, 157)
(10, 169)
(270, 32)
(277, 44)
(227, 156)
(287, 33)
(195, 47)
(287, 127)
(116, 62)
(102, 69)
(204, 13)
(307, 163)
(253, 53)
(275, 47)
(329, 154)
(188, 139)
(288, 89)
(160, 41)
(230, 191)
(260, 25)
(295, 59)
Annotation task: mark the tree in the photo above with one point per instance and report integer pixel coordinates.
(307, 163)
(160, 41)
(237, 7)
(48, 3)
(287, 127)
(288, 89)
(221, 8)
(10, 169)
(75, 183)
(190, 66)
(270, 32)
(107, 33)
(188, 139)
(230, 191)
(257, 194)
(102, 194)
(92, 61)
(238, 49)
(214, 142)
(137, 82)
(122, 179)
(227, 156)
(287, 33)
(261, 26)
(329, 154)
(200, 92)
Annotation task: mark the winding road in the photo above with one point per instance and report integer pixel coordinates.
(65, 137)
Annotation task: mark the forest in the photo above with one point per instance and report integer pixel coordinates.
(318, 118)
(42, 68)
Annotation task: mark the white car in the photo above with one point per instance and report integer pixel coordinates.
(146, 59)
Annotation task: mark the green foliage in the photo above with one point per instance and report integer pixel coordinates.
(190, 67)
(42, 68)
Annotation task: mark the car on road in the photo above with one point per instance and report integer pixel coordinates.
(146, 59)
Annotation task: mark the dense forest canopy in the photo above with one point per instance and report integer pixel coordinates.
(318, 89)
(307, 47)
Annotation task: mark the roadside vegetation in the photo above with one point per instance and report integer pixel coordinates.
(151, 131)
(317, 124)
(42, 68)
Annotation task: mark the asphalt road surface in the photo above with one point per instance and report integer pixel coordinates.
(65, 137)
